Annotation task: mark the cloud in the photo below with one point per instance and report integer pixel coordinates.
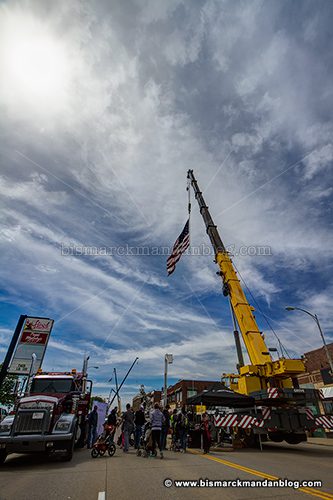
(321, 159)
(152, 89)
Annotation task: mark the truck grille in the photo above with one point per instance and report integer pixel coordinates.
(26, 421)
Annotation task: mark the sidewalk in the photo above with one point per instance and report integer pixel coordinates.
(321, 441)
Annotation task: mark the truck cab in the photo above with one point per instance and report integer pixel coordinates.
(51, 418)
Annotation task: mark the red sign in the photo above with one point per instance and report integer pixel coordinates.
(34, 338)
(40, 325)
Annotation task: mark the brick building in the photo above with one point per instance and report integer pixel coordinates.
(184, 389)
(317, 368)
(318, 376)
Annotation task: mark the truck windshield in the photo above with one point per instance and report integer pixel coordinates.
(50, 385)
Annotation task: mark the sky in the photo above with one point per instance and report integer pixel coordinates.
(104, 106)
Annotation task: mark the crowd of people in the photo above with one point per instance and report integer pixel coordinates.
(161, 422)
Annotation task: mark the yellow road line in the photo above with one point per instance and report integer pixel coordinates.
(308, 491)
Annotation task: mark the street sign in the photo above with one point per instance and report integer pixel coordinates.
(200, 409)
(34, 338)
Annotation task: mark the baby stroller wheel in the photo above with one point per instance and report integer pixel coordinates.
(138, 453)
(111, 449)
(154, 453)
(94, 453)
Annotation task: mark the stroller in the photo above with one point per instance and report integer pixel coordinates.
(146, 443)
(104, 443)
(175, 439)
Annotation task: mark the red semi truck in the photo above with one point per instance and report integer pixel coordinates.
(51, 418)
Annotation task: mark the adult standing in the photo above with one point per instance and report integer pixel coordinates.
(92, 427)
(165, 427)
(112, 422)
(128, 426)
(139, 421)
(157, 419)
(112, 418)
(182, 427)
(206, 429)
(173, 425)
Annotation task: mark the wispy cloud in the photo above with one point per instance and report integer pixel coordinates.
(99, 159)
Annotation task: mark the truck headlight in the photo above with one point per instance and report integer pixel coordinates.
(62, 426)
(6, 425)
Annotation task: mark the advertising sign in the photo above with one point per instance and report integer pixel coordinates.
(200, 409)
(33, 339)
(101, 411)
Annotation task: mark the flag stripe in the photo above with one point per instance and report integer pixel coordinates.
(181, 245)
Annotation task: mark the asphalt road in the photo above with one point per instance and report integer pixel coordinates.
(126, 476)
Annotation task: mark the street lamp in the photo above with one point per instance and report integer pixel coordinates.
(315, 317)
(168, 359)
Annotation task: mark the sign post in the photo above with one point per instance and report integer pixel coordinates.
(33, 340)
(11, 348)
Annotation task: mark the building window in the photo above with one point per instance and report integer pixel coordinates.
(191, 392)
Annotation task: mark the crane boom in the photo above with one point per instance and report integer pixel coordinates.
(263, 371)
(255, 345)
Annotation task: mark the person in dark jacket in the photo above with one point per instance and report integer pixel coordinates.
(165, 427)
(112, 418)
(112, 422)
(156, 419)
(182, 428)
(128, 426)
(92, 429)
(139, 421)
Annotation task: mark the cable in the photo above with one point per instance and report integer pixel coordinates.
(282, 347)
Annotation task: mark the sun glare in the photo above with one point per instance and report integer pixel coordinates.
(34, 65)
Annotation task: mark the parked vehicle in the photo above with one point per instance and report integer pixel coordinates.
(51, 419)
(3, 413)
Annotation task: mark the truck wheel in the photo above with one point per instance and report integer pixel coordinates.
(276, 437)
(3, 456)
(295, 438)
(70, 450)
(82, 439)
(78, 432)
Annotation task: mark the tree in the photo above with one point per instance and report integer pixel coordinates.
(7, 397)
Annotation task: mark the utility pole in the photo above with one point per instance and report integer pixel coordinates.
(117, 390)
(168, 359)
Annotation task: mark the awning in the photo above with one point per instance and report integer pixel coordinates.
(219, 395)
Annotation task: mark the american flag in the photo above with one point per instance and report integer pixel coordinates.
(181, 244)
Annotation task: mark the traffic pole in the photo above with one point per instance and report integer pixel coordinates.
(11, 348)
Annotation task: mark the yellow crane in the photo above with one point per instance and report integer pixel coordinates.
(263, 376)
